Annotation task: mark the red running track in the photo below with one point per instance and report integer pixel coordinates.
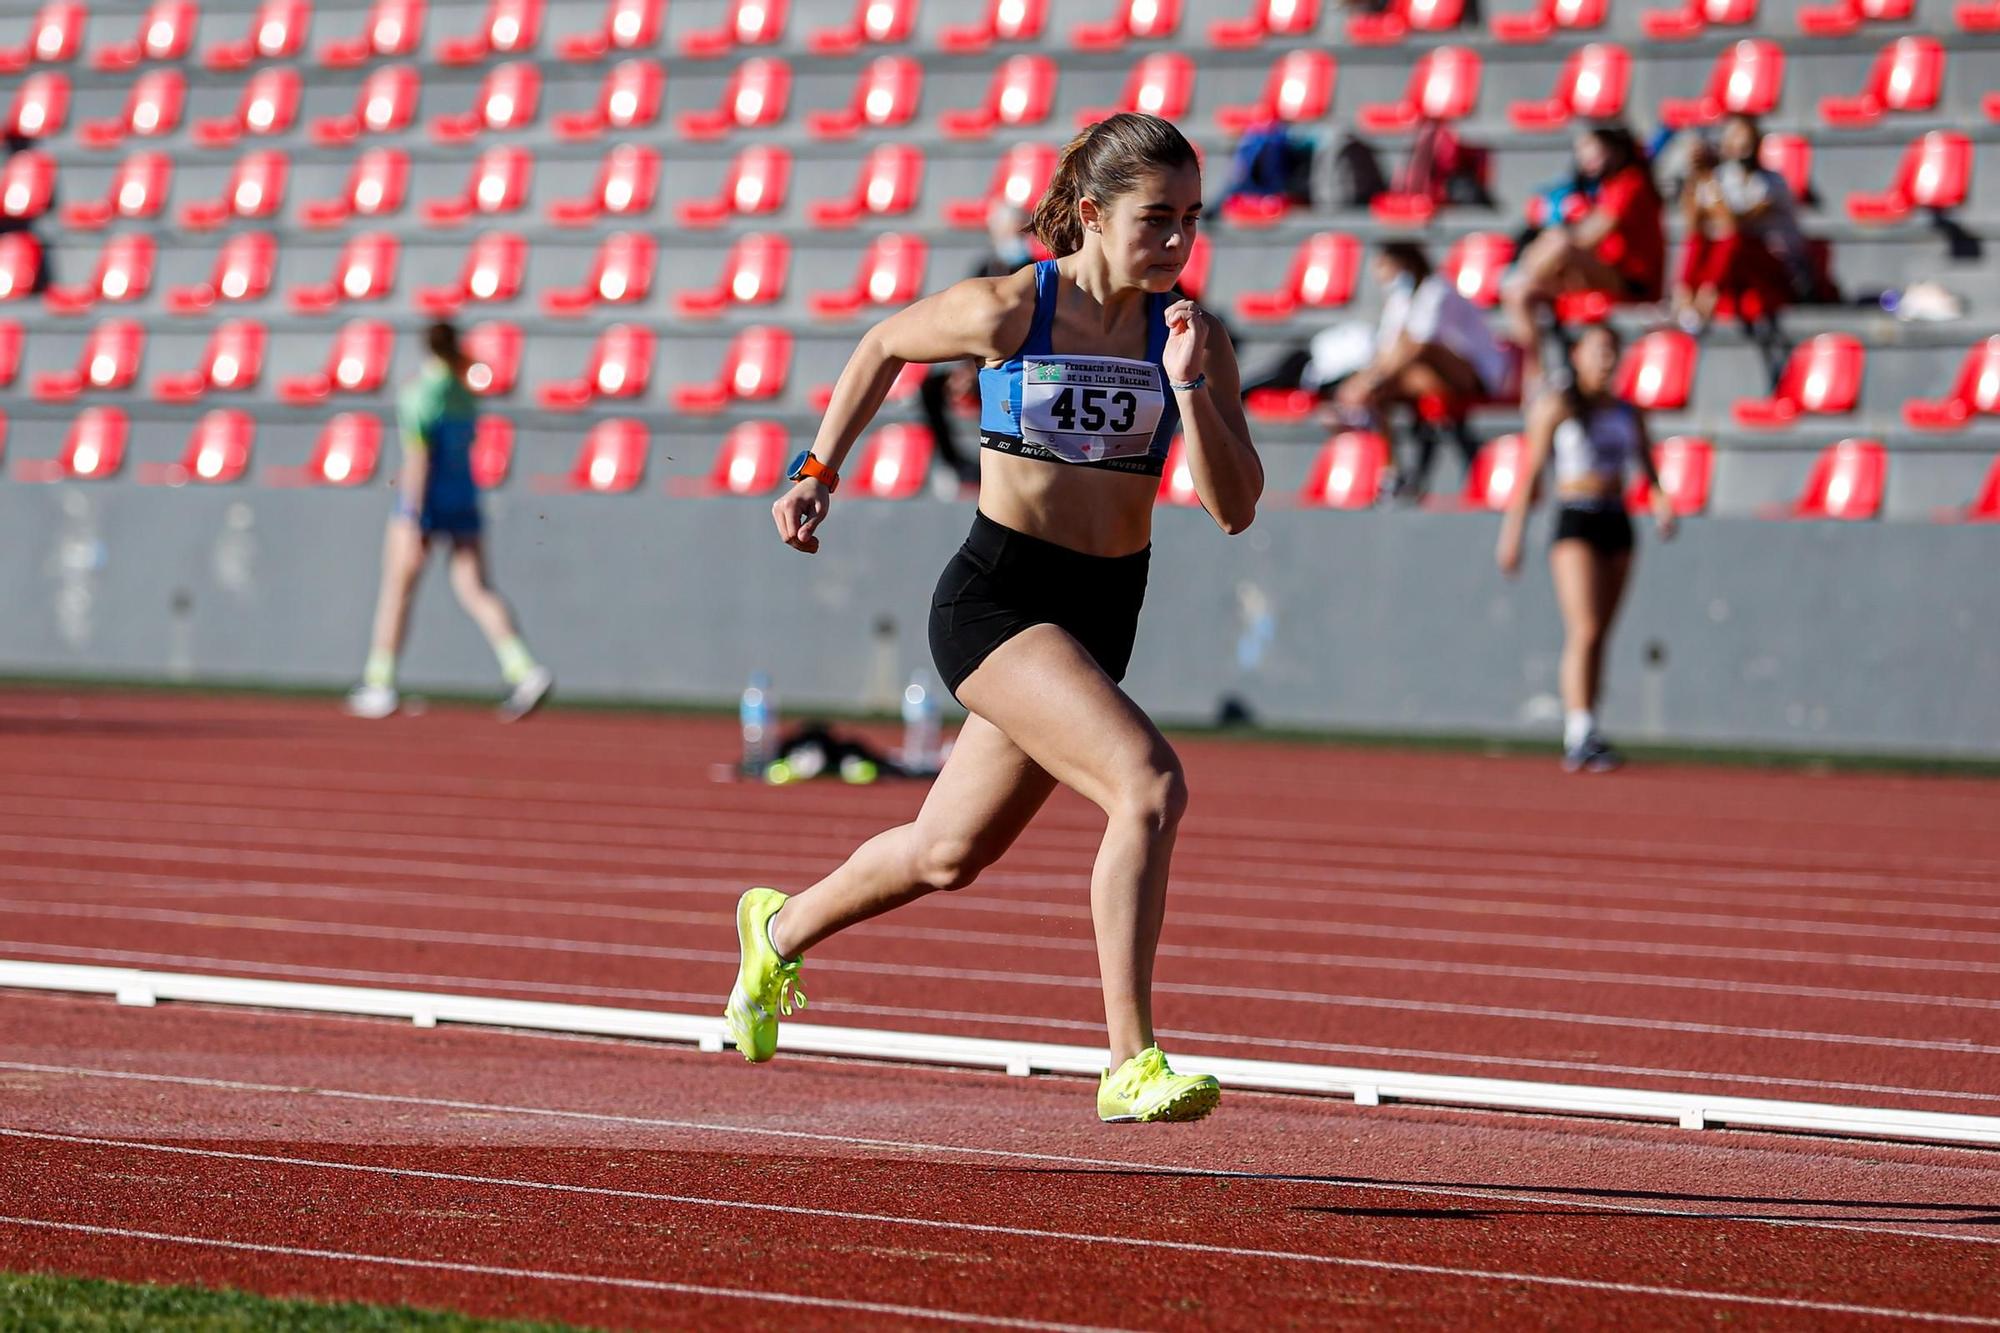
(1826, 938)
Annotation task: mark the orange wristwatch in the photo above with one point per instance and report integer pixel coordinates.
(805, 465)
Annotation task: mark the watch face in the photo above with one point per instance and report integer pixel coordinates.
(797, 471)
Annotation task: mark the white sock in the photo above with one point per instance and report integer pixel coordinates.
(771, 940)
(1579, 725)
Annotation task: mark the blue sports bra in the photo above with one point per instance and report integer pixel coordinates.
(1088, 411)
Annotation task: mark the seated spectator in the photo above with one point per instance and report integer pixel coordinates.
(1616, 246)
(1743, 237)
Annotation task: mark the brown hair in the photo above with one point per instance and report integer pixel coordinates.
(1102, 163)
(1408, 256)
(442, 340)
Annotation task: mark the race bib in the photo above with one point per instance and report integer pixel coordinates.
(1085, 409)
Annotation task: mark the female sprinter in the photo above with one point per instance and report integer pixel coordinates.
(436, 496)
(1594, 436)
(1091, 361)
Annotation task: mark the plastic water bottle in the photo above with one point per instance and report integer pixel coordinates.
(758, 712)
(920, 726)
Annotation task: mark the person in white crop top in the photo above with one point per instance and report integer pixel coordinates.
(1596, 439)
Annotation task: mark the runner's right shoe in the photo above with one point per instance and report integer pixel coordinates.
(766, 985)
(1146, 1089)
(372, 701)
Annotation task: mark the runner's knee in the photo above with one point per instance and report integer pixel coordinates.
(1156, 794)
(950, 861)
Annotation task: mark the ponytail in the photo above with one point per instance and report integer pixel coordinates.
(1102, 163)
(442, 340)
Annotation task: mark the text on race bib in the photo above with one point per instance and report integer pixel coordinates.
(1085, 409)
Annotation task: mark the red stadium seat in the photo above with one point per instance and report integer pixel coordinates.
(757, 97)
(27, 185)
(629, 100)
(1985, 506)
(1019, 180)
(612, 460)
(888, 185)
(1132, 20)
(94, 449)
(1747, 79)
(509, 28)
(244, 268)
(40, 108)
(629, 25)
(152, 110)
(1299, 88)
(1822, 377)
(1194, 278)
(753, 273)
(233, 361)
(885, 96)
(1160, 84)
(1657, 372)
(269, 107)
(1978, 16)
(1908, 76)
(754, 186)
(385, 103)
(1497, 469)
(875, 23)
(256, 191)
(1403, 17)
(1846, 482)
(1346, 473)
(1443, 86)
(1476, 264)
(492, 451)
(12, 340)
(165, 32)
(498, 185)
(1977, 393)
(277, 32)
(1686, 463)
(375, 189)
(1322, 276)
(1935, 173)
(356, 362)
(620, 274)
(748, 23)
(1004, 21)
(348, 449)
(55, 38)
(1549, 17)
(1267, 18)
(893, 464)
(495, 348)
(1843, 17)
(218, 453)
(1592, 86)
(621, 366)
(1790, 155)
(754, 368)
(393, 30)
(138, 192)
(1694, 17)
(494, 267)
(627, 182)
(365, 271)
(20, 262)
(110, 361)
(1020, 93)
(750, 461)
(124, 273)
(508, 100)
(891, 273)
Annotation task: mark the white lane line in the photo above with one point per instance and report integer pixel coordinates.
(597, 948)
(930, 1013)
(1037, 1233)
(1002, 1154)
(1503, 939)
(588, 1279)
(1778, 865)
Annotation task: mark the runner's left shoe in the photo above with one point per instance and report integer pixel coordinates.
(766, 985)
(1146, 1089)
